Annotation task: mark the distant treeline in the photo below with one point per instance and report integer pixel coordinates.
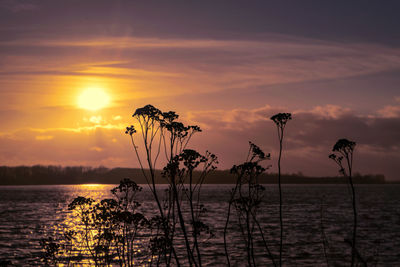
(40, 175)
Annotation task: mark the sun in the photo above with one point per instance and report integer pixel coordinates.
(93, 99)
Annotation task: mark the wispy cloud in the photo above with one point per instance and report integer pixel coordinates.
(44, 137)
(390, 111)
(93, 146)
(214, 62)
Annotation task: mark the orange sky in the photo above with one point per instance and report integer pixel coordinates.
(225, 70)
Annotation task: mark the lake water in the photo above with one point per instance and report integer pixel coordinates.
(29, 213)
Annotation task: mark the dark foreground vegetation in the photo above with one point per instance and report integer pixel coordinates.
(115, 231)
(51, 175)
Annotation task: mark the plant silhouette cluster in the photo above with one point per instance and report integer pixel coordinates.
(246, 198)
(114, 231)
(105, 232)
(163, 136)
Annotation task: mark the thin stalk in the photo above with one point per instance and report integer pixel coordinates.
(196, 245)
(280, 197)
(353, 247)
(323, 236)
(249, 239)
(263, 239)
(182, 223)
(227, 221)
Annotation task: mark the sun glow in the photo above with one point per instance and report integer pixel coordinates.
(91, 185)
(93, 99)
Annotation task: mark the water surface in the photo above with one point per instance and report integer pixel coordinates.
(29, 213)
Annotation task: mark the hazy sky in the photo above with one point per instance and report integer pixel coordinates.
(224, 65)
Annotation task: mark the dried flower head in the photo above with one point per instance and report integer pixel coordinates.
(130, 130)
(344, 145)
(281, 119)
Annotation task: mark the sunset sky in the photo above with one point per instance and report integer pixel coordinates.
(226, 66)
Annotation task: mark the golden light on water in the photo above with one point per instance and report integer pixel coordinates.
(92, 185)
(83, 232)
(93, 99)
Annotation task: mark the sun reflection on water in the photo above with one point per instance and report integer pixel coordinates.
(92, 185)
(82, 230)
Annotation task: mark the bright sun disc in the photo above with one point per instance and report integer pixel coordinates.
(93, 99)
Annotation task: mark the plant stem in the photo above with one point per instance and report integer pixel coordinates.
(280, 197)
(353, 247)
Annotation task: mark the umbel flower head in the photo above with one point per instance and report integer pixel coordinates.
(149, 111)
(281, 119)
(344, 148)
(258, 153)
(130, 130)
(344, 145)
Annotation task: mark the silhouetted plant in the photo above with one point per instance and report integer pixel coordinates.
(343, 151)
(324, 240)
(106, 232)
(191, 159)
(131, 225)
(246, 199)
(280, 120)
(180, 174)
(51, 250)
(150, 120)
(162, 134)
